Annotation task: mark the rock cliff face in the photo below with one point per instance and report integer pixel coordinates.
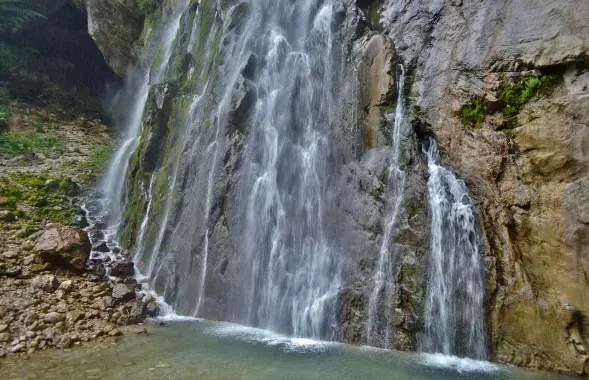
(503, 86)
(527, 168)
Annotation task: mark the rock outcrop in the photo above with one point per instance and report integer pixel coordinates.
(115, 26)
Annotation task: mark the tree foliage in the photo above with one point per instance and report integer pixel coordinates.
(14, 16)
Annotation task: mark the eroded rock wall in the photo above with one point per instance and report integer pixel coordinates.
(527, 169)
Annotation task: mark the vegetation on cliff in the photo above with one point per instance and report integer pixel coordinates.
(512, 96)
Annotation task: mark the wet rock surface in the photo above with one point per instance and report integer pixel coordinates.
(526, 170)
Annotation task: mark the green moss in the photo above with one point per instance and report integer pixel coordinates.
(508, 132)
(9, 196)
(150, 9)
(43, 198)
(157, 57)
(473, 113)
(97, 163)
(57, 214)
(418, 111)
(404, 158)
(387, 109)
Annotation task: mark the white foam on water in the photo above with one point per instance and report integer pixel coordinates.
(458, 364)
(166, 312)
(269, 338)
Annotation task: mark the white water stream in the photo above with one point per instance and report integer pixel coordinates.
(454, 308)
(379, 318)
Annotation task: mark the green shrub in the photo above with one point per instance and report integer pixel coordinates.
(4, 123)
(4, 107)
(516, 95)
(473, 114)
(513, 97)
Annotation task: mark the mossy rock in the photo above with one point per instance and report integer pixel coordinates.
(40, 267)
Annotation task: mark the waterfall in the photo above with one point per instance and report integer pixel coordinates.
(379, 317)
(287, 267)
(292, 271)
(454, 320)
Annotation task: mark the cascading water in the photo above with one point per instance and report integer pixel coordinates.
(291, 273)
(379, 318)
(454, 307)
(138, 86)
(287, 272)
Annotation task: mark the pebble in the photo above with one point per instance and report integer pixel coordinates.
(17, 348)
(53, 317)
(10, 255)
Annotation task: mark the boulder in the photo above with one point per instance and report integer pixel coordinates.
(123, 293)
(101, 247)
(99, 270)
(29, 260)
(153, 308)
(66, 286)
(65, 247)
(136, 312)
(4, 337)
(18, 347)
(10, 255)
(75, 315)
(108, 302)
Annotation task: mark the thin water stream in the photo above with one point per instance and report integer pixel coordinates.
(379, 318)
